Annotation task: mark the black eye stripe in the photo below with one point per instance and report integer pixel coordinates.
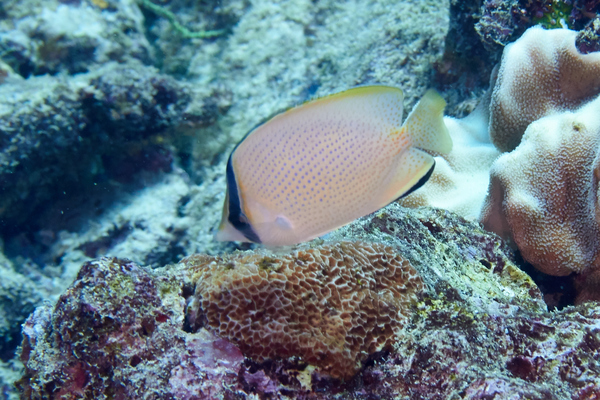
(236, 216)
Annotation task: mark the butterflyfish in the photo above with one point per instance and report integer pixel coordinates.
(327, 162)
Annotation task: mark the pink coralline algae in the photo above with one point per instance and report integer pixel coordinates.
(117, 333)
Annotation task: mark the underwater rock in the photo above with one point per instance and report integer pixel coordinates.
(56, 36)
(464, 336)
(118, 332)
(543, 196)
(478, 328)
(446, 250)
(19, 296)
(502, 21)
(279, 55)
(272, 56)
(588, 39)
(465, 67)
(61, 135)
(498, 25)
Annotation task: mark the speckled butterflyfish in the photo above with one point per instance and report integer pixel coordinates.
(321, 165)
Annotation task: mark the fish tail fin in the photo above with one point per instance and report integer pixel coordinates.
(425, 124)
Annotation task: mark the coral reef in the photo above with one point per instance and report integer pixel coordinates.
(465, 65)
(114, 157)
(588, 39)
(446, 249)
(19, 295)
(460, 179)
(182, 30)
(316, 49)
(555, 14)
(479, 30)
(479, 329)
(543, 195)
(541, 74)
(497, 24)
(332, 305)
(103, 122)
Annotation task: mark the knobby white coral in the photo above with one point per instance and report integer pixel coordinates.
(460, 179)
(540, 74)
(544, 194)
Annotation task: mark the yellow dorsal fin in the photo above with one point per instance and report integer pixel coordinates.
(360, 91)
(425, 124)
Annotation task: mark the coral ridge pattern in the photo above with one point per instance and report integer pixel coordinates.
(332, 305)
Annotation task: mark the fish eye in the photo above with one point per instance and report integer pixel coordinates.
(243, 219)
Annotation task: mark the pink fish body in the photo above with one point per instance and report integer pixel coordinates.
(323, 164)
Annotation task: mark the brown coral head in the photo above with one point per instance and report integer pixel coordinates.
(331, 305)
(541, 74)
(587, 286)
(544, 195)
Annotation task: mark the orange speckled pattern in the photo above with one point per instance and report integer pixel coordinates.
(323, 164)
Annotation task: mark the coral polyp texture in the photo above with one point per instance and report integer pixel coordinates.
(544, 195)
(333, 305)
(542, 73)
